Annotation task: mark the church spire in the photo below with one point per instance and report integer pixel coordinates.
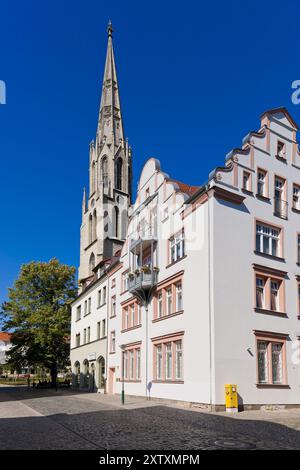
(110, 124)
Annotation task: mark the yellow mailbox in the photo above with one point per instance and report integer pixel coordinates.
(231, 398)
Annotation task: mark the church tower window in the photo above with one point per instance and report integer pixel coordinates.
(119, 174)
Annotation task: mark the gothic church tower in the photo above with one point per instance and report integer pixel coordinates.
(105, 210)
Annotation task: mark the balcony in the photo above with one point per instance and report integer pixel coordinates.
(280, 208)
(142, 281)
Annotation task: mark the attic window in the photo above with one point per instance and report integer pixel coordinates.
(280, 149)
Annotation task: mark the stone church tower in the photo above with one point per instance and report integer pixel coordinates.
(105, 210)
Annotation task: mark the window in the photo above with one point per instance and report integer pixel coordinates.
(178, 296)
(125, 364)
(78, 312)
(178, 360)
(296, 197)
(98, 330)
(160, 305)
(246, 181)
(131, 315)
(138, 364)
(139, 309)
(262, 183)
(92, 263)
(262, 351)
(260, 285)
(89, 305)
(280, 208)
(274, 295)
(103, 328)
(104, 173)
(113, 306)
(113, 342)
(270, 294)
(147, 193)
(85, 307)
(169, 301)
(168, 359)
(77, 340)
(177, 250)
(113, 282)
(90, 228)
(280, 149)
(119, 173)
(159, 362)
(271, 361)
(104, 295)
(116, 222)
(84, 336)
(94, 226)
(267, 239)
(88, 334)
(99, 298)
(132, 363)
(125, 280)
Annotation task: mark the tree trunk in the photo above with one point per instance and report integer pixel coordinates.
(53, 372)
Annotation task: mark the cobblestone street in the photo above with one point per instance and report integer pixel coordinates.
(66, 420)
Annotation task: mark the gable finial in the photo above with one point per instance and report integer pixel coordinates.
(109, 28)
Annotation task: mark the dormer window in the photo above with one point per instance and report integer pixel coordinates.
(280, 149)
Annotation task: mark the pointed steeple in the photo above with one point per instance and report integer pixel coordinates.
(110, 124)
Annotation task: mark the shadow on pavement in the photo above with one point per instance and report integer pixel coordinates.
(155, 428)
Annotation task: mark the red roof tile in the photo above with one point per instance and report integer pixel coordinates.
(185, 188)
(5, 336)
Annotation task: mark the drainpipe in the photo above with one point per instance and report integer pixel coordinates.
(209, 302)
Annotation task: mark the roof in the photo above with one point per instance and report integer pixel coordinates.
(284, 111)
(5, 336)
(185, 188)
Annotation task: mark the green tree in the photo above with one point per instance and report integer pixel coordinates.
(38, 313)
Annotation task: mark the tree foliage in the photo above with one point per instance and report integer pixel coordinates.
(39, 315)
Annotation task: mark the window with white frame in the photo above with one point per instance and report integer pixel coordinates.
(178, 360)
(160, 305)
(280, 149)
(260, 294)
(271, 361)
(78, 312)
(168, 364)
(98, 330)
(159, 362)
(85, 307)
(88, 339)
(168, 360)
(77, 340)
(138, 363)
(169, 301)
(99, 298)
(246, 181)
(89, 305)
(113, 341)
(104, 295)
(178, 296)
(268, 239)
(261, 183)
(274, 295)
(177, 249)
(84, 336)
(296, 197)
(103, 328)
(113, 306)
(132, 364)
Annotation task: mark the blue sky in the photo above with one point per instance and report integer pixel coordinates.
(194, 78)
